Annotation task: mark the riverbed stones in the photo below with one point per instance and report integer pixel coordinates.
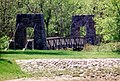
(71, 69)
(82, 64)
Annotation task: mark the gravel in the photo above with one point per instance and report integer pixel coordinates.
(71, 69)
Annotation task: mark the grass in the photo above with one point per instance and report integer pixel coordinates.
(9, 69)
(109, 50)
(48, 54)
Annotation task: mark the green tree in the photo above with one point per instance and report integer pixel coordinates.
(58, 15)
(108, 19)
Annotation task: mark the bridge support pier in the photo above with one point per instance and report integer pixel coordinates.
(87, 21)
(36, 21)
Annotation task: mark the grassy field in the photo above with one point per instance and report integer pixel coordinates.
(9, 69)
(109, 50)
(62, 54)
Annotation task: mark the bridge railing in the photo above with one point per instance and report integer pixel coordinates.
(57, 43)
(65, 42)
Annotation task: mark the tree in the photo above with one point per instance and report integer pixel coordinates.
(108, 19)
(58, 15)
(7, 19)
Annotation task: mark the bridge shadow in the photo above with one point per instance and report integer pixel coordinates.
(35, 52)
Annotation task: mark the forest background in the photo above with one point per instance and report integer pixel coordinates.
(58, 16)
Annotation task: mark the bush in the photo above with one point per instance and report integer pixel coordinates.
(4, 42)
(112, 47)
(116, 47)
(88, 47)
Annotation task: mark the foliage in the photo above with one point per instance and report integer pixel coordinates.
(4, 41)
(58, 15)
(108, 19)
(113, 47)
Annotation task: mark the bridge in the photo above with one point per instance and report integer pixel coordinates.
(54, 43)
(41, 42)
(65, 42)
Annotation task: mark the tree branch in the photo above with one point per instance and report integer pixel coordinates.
(29, 8)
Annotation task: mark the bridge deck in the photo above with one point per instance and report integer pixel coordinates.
(56, 43)
(65, 42)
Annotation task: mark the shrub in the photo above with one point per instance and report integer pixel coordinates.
(116, 47)
(88, 47)
(112, 47)
(4, 42)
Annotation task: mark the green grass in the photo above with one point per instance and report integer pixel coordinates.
(10, 70)
(109, 50)
(62, 54)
